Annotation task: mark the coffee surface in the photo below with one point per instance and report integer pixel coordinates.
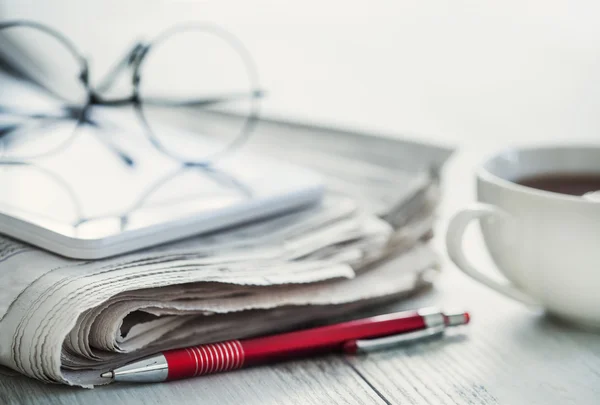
(563, 183)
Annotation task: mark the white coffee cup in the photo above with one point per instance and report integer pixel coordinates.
(546, 244)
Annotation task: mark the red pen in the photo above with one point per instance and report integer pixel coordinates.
(361, 335)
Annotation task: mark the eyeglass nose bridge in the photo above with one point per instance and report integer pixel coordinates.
(129, 64)
(137, 54)
(84, 75)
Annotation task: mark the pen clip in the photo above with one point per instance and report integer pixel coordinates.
(371, 345)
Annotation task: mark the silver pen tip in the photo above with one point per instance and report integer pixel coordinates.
(108, 374)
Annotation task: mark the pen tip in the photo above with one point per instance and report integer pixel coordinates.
(108, 374)
(467, 318)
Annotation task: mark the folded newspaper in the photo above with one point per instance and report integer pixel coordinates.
(67, 321)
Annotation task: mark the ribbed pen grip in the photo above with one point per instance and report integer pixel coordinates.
(205, 359)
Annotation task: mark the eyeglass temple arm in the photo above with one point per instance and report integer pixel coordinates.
(48, 118)
(15, 128)
(64, 113)
(166, 102)
(205, 101)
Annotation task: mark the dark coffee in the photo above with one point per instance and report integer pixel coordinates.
(563, 183)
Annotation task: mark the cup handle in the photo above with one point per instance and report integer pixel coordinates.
(454, 244)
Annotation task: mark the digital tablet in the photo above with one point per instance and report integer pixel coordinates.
(84, 202)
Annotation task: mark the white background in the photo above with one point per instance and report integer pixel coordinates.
(451, 71)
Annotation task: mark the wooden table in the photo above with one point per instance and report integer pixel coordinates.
(508, 354)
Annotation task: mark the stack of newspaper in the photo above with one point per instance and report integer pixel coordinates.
(67, 321)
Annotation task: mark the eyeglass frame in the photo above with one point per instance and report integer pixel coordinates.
(133, 60)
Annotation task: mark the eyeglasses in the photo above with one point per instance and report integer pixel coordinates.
(198, 68)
